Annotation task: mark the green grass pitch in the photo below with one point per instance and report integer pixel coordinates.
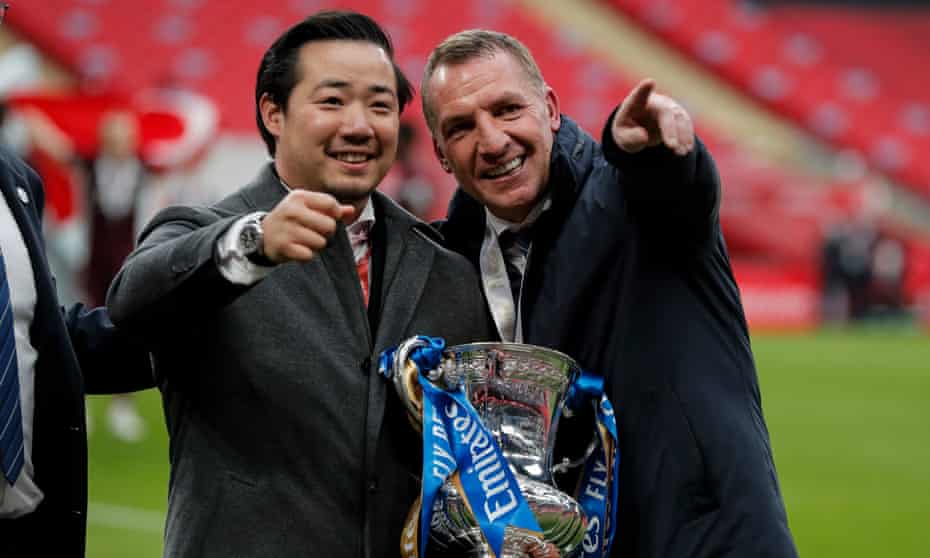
(848, 412)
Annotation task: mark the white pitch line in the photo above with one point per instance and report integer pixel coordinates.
(125, 517)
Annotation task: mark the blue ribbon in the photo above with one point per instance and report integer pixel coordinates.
(597, 494)
(455, 440)
(426, 357)
(386, 362)
(586, 387)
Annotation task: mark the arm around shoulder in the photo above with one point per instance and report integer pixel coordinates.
(110, 360)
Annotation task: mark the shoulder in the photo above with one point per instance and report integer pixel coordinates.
(398, 217)
(15, 173)
(258, 194)
(444, 255)
(578, 164)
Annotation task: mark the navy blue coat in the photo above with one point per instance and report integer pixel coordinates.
(629, 274)
(66, 342)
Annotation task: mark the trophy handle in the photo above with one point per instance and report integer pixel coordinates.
(407, 382)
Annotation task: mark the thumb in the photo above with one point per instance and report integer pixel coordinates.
(631, 139)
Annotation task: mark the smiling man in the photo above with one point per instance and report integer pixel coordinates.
(266, 314)
(612, 253)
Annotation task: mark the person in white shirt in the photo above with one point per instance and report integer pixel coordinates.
(48, 359)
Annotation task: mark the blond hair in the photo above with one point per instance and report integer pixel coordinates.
(465, 46)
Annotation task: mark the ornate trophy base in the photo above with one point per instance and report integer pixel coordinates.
(455, 532)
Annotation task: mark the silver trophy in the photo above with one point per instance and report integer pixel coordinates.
(519, 393)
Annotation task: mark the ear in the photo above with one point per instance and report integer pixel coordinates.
(272, 115)
(443, 162)
(552, 105)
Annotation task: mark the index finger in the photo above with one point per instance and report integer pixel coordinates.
(322, 202)
(639, 97)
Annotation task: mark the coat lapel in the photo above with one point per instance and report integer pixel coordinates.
(335, 260)
(408, 259)
(339, 263)
(26, 214)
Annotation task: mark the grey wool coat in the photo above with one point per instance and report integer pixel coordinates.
(284, 440)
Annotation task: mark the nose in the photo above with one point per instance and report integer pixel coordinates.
(492, 140)
(356, 126)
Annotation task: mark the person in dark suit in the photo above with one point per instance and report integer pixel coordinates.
(613, 254)
(43, 352)
(266, 314)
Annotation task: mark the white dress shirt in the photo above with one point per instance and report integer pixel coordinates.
(24, 496)
(504, 309)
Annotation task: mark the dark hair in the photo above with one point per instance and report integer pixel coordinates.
(278, 73)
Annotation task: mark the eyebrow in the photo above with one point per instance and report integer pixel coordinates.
(342, 84)
(451, 121)
(454, 119)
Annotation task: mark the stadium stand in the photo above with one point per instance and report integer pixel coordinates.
(826, 67)
(775, 218)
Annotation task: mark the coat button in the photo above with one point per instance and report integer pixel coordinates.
(365, 365)
(373, 486)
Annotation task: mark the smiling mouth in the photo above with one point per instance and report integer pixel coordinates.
(505, 168)
(353, 158)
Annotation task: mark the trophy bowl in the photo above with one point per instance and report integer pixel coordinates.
(519, 393)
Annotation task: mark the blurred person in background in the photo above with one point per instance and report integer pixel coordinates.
(116, 178)
(413, 190)
(266, 314)
(863, 266)
(35, 138)
(48, 358)
(13, 133)
(613, 254)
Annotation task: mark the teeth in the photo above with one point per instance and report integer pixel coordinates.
(352, 157)
(505, 168)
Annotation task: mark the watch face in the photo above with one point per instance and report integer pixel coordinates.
(249, 238)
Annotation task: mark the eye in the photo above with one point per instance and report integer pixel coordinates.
(383, 106)
(511, 109)
(332, 100)
(457, 129)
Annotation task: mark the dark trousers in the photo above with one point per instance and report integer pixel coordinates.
(22, 537)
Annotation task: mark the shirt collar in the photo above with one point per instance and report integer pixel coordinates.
(498, 225)
(365, 219)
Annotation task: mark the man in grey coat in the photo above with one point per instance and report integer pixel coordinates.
(284, 439)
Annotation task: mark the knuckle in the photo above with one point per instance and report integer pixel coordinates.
(328, 226)
(317, 242)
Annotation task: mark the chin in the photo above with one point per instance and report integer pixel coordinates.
(351, 193)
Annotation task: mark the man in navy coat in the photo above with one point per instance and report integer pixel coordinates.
(613, 254)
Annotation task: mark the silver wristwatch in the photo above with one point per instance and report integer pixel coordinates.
(252, 241)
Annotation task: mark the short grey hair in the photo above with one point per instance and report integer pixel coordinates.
(465, 46)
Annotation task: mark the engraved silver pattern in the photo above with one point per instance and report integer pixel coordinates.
(519, 392)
